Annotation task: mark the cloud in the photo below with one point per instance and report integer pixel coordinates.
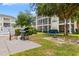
(33, 12)
(8, 4)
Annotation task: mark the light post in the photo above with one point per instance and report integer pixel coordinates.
(9, 34)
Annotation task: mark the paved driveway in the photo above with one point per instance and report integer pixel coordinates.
(8, 47)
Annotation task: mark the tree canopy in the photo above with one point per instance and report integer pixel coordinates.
(62, 10)
(23, 19)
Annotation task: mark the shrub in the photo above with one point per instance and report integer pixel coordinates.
(76, 32)
(34, 31)
(17, 32)
(30, 31)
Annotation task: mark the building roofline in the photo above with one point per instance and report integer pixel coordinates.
(7, 15)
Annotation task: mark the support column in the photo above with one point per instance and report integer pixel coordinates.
(48, 25)
(2, 26)
(42, 24)
(51, 23)
(58, 23)
(70, 27)
(75, 26)
(2, 22)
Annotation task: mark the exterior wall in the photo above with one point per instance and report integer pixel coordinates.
(2, 21)
(43, 24)
(54, 23)
(8, 20)
(70, 25)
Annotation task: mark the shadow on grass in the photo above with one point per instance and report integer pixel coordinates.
(50, 48)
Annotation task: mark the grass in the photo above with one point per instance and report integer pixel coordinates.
(70, 36)
(50, 48)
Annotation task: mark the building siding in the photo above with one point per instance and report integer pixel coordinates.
(49, 23)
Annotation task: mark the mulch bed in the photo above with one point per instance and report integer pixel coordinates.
(72, 40)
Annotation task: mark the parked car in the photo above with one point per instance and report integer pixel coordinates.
(53, 31)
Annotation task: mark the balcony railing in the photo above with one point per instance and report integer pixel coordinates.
(62, 21)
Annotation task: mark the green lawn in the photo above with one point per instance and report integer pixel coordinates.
(50, 48)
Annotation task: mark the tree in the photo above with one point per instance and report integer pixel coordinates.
(76, 17)
(64, 11)
(23, 19)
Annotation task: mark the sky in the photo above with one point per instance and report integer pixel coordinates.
(13, 9)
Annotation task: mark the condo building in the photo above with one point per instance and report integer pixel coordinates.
(6, 23)
(44, 24)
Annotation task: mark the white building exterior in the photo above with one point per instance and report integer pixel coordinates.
(6, 23)
(45, 24)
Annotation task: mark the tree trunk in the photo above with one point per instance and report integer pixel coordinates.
(65, 28)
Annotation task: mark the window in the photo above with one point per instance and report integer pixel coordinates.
(39, 22)
(68, 21)
(45, 21)
(6, 24)
(39, 28)
(6, 18)
(45, 28)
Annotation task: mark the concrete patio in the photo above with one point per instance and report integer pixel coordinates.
(8, 47)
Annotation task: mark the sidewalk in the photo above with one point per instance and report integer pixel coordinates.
(9, 47)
